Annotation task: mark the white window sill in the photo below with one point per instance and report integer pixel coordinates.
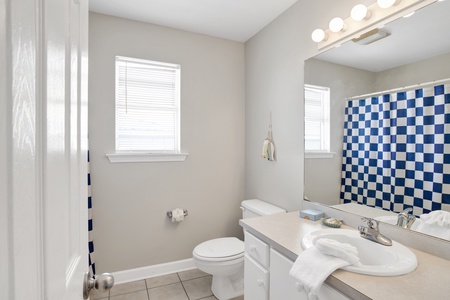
(320, 154)
(146, 157)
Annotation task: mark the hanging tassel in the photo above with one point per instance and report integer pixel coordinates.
(265, 149)
(268, 150)
(271, 151)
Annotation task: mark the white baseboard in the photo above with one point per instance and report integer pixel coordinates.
(153, 271)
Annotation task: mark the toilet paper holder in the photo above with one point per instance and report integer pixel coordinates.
(169, 213)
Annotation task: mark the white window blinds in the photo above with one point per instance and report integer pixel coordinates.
(317, 118)
(147, 106)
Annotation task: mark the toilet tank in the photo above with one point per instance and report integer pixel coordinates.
(255, 208)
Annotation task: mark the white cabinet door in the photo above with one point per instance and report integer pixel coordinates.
(283, 286)
(256, 282)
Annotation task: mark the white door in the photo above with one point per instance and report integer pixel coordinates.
(43, 185)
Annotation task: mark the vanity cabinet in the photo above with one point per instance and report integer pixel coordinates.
(256, 282)
(256, 268)
(267, 277)
(283, 286)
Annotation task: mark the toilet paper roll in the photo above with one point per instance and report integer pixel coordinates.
(177, 215)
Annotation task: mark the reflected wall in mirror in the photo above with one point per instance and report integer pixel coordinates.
(415, 51)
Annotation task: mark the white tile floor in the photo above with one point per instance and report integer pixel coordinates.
(187, 285)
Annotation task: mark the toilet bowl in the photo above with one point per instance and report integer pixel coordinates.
(223, 258)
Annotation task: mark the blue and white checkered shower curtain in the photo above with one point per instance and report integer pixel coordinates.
(90, 228)
(396, 151)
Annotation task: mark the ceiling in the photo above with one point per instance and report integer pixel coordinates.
(421, 36)
(236, 20)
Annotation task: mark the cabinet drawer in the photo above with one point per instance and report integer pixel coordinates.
(256, 281)
(257, 249)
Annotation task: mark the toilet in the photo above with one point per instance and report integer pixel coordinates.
(223, 258)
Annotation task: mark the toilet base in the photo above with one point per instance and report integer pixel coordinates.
(228, 287)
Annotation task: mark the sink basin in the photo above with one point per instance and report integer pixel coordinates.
(376, 259)
(393, 221)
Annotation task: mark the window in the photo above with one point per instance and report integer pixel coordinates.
(147, 107)
(317, 119)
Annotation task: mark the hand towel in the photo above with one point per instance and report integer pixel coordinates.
(313, 266)
(435, 223)
(437, 217)
(342, 250)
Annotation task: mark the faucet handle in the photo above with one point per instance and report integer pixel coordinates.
(372, 223)
(407, 211)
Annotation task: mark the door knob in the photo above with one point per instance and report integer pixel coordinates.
(101, 283)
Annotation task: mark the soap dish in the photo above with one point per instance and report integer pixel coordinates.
(331, 222)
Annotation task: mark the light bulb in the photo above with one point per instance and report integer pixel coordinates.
(360, 12)
(387, 3)
(318, 35)
(336, 25)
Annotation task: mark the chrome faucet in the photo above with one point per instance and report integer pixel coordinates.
(371, 232)
(406, 218)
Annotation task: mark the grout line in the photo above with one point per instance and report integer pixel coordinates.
(146, 288)
(181, 281)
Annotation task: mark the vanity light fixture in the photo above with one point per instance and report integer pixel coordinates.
(387, 3)
(337, 24)
(360, 12)
(365, 18)
(370, 37)
(409, 15)
(319, 35)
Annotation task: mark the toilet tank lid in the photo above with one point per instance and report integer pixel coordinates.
(222, 247)
(261, 208)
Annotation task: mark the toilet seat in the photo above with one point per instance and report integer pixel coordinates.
(222, 249)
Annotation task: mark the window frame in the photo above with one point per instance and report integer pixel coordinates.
(139, 155)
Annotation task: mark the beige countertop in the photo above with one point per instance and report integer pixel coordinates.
(431, 279)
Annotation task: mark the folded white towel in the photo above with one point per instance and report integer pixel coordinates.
(313, 266)
(342, 250)
(435, 223)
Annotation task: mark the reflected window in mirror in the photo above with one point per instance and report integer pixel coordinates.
(317, 120)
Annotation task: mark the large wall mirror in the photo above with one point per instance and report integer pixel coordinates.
(416, 50)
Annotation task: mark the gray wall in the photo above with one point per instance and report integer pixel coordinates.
(274, 60)
(423, 71)
(322, 176)
(219, 130)
(131, 199)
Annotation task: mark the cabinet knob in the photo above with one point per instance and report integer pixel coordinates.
(260, 282)
(299, 286)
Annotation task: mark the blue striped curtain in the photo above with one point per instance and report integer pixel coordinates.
(90, 227)
(396, 151)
